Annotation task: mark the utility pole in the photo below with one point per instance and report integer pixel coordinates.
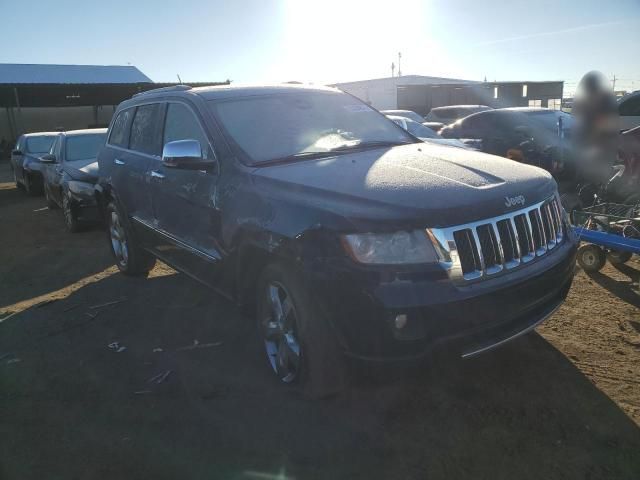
(393, 68)
(614, 82)
(399, 60)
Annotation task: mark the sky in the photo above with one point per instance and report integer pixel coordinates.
(256, 41)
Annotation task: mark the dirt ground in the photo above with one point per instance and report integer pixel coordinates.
(560, 403)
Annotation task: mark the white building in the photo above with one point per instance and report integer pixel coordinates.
(382, 93)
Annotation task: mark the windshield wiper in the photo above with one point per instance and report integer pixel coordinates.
(371, 144)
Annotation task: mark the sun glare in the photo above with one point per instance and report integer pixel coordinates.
(335, 40)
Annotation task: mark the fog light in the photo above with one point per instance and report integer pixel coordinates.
(400, 321)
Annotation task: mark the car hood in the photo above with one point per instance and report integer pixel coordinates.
(430, 184)
(85, 170)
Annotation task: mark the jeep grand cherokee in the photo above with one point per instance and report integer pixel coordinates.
(348, 236)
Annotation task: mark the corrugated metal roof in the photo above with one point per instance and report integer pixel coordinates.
(19, 73)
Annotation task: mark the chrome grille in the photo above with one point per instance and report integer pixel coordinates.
(488, 247)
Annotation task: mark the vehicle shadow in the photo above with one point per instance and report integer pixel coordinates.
(626, 290)
(37, 255)
(73, 407)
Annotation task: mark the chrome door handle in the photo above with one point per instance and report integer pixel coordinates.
(156, 174)
(117, 161)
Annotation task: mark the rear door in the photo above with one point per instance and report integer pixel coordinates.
(186, 218)
(134, 151)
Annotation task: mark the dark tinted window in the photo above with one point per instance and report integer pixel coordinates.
(82, 147)
(630, 107)
(39, 144)
(181, 124)
(144, 130)
(119, 135)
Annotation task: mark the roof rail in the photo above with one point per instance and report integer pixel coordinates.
(173, 88)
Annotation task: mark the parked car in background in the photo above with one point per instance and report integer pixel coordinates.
(435, 126)
(27, 169)
(527, 135)
(453, 113)
(405, 114)
(340, 231)
(70, 173)
(424, 133)
(629, 110)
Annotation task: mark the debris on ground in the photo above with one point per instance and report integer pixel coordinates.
(13, 360)
(157, 350)
(117, 347)
(159, 378)
(108, 304)
(197, 344)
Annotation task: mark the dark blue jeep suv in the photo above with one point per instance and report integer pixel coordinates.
(346, 235)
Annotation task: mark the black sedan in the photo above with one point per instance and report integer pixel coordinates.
(527, 135)
(70, 172)
(27, 170)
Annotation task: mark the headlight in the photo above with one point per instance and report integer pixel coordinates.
(399, 248)
(81, 188)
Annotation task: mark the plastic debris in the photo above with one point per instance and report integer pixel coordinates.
(159, 378)
(13, 360)
(117, 347)
(158, 349)
(197, 344)
(114, 302)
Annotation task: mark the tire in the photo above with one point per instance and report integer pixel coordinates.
(571, 202)
(301, 346)
(618, 258)
(70, 216)
(131, 259)
(50, 202)
(591, 258)
(31, 187)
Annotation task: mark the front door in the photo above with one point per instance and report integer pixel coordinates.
(184, 206)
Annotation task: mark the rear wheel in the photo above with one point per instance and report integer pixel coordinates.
(298, 339)
(131, 259)
(31, 186)
(618, 258)
(591, 258)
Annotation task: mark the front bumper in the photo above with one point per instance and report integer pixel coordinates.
(85, 206)
(467, 319)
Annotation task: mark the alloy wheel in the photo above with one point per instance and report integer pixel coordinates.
(118, 240)
(279, 328)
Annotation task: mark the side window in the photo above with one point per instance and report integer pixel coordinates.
(182, 124)
(144, 130)
(119, 135)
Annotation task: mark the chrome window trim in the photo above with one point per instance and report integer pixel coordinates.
(448, 250)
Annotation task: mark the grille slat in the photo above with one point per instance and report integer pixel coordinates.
(488, 247)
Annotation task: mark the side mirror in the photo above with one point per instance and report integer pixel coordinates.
(16, 152)
(48, 158)
(185, 154)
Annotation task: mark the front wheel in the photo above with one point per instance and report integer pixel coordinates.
(299, 341)
(591, 258)
(131, 259)
(70, 216)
